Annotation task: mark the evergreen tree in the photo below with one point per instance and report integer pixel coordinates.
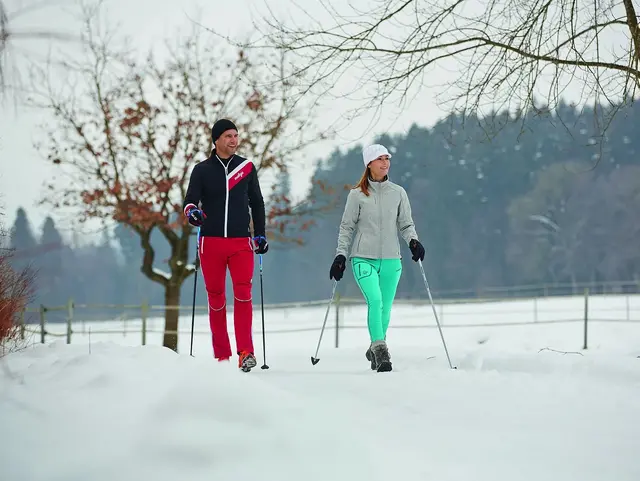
(22, 236)
(55, 266)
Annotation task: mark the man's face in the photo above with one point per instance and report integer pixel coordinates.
(227, 144)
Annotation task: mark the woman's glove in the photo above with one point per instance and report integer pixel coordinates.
(417, 250)
(337, 268)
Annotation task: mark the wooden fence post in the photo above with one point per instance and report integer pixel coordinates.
(42, 321)
(22, 324)
(69, 319)
(586, 315)
(628, 309)
(144, 309)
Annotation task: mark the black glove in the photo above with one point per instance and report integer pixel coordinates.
(337, 268)
(262, 244)
(417, 250)
(196, 217)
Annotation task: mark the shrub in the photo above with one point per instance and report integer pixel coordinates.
(16, 291)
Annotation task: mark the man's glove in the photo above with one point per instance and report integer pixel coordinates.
(417, 250)
(262, 246)
(196, 217)
(337, 268)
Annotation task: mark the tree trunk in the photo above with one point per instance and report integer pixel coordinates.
(171, 316)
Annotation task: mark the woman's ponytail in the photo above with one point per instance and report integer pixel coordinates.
(363, 183)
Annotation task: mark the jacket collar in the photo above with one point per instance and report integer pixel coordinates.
(375, 185)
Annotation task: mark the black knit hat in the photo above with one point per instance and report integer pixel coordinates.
(220, 127)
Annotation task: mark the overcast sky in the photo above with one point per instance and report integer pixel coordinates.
(148, 22)
(23, 170)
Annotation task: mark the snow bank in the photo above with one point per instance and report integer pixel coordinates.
(123, 413)
(136, 413)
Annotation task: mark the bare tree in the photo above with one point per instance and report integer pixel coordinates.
(613, 223)
(126, 134)
(577, 226)
(4, 31)
(495, 55)
(549, 231)
(4, 39)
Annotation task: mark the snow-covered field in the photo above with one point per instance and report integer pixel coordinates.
(525, 402)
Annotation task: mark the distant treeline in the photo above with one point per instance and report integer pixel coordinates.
(528, 206)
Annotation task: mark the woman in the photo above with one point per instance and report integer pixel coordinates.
(375, 210)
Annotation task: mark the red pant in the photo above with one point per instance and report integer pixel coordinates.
(216, 253)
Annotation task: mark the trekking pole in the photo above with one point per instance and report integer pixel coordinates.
(264, 343)
(195, 285)
(314, 360)
(426, 284)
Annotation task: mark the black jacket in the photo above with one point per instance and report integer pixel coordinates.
(225, 190)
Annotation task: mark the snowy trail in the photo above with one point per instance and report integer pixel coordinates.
(513, 418)
(131, 413)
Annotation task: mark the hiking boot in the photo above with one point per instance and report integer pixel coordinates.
(369, 356)
(246, 361)
(381, 356)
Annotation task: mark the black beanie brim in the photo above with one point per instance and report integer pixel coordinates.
(220, 127)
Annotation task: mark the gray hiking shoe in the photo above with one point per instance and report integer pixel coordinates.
(369, 356)
(380, 356)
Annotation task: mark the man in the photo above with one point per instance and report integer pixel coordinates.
(221, 190)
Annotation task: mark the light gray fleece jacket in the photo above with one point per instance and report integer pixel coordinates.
(375, 220)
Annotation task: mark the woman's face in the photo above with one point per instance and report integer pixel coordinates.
(380, 167)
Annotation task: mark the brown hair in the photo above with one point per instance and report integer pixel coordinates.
(363, 183)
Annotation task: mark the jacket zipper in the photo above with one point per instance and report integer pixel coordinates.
(226, 199)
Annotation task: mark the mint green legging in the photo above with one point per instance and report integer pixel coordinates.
(378, 280)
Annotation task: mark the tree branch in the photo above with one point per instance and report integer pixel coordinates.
(9, 33)
(504, 51)
(149, 257)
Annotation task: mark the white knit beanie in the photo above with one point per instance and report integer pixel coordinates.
(372, 152)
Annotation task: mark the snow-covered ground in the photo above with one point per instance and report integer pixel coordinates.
(525, 402)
